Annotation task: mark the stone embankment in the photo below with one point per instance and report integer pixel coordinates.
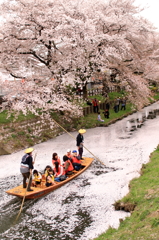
(19, 135)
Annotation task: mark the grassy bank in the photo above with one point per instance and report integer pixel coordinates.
(143, 224)
(90, 120)
(4, 118)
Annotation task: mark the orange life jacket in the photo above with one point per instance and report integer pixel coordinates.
(57, 160)
(69, 155)
(59, 170)
(70, 168)
(76, 160)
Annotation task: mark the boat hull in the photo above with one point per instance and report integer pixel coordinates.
(42, 190)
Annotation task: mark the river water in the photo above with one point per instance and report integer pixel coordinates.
(83, 208)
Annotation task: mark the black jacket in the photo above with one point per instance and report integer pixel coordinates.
(28, 160)
(79, 139)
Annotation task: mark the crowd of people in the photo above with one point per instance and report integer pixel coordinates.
(119, 104)
(57, 171)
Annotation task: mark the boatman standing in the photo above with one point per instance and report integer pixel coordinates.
(26, 167)
(80, 141)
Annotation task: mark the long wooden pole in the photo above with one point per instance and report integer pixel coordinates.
(75, 139)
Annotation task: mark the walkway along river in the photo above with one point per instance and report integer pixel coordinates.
(83, 208)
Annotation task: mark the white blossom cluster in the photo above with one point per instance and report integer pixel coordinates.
(54, 45)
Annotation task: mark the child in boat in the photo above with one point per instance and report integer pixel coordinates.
(50, 179)
(55, 158)
(46, 170)
(59, 172)
(68, 167)
(37, 178)
(76, 162)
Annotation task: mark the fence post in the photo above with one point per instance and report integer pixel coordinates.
(84, 111)
(88, 110)
(91, 109)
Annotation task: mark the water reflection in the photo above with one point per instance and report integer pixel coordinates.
(139, 119)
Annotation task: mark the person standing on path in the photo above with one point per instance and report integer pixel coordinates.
(26, 167)
(123, 104)
(95, 105)
(116, 105)
(107, 106)
(118, 101)
(80, 140)
(106, 113)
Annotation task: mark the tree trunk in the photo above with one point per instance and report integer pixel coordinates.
(85, 95)
(105, 88)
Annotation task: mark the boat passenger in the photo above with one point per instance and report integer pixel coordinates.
(37, 178)
(76, 162)
(46, 170)
(69, 155)
(68, 167)
(59, 172)
(55, 158)
(50, 179)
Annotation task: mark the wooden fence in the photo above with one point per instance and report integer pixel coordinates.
(97, 91)
(89, 109)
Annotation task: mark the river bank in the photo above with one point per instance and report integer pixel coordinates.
(89, 199)
(30, 130)
(144, 194)
(22, 134)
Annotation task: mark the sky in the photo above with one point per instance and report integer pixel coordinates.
(152, 10)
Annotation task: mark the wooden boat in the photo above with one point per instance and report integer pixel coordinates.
(42, 190)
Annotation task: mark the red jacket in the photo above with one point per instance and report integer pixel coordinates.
(95, 103)
(70, 167)
(76, 160)
(60, 171)
(57, 160)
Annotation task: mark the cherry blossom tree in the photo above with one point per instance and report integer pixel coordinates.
(125, 44)
(52, 44)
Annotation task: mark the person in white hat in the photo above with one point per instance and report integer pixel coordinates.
(68, 154)
(26, 168)
(80, 140)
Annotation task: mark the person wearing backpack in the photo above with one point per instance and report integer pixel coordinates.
(26, 168)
